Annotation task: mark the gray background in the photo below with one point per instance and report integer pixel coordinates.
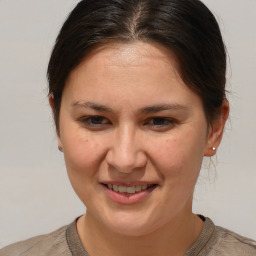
(35, 194)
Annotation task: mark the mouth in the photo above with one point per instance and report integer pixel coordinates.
(129, 189)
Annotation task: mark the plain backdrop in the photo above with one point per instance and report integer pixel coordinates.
(35, 194)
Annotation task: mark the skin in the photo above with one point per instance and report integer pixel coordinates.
(152, 129)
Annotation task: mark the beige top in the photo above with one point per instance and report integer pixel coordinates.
(213, 241)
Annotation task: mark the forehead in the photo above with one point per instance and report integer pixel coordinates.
(134, 73)
(127, 58)
(133, 54)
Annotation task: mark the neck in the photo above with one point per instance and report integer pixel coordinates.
(175, 238)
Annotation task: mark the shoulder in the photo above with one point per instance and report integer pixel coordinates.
(225, 242)
(54, 243)
(218, 241)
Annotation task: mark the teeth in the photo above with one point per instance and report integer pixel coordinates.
(115, 188)
(138, 188)
(129, 190)
(122, 189)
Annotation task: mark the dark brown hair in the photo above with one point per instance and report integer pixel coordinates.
(186, 27)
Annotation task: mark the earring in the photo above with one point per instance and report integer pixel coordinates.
(60, 148)
(213, 148)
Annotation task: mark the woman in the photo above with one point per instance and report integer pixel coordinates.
(137, 90)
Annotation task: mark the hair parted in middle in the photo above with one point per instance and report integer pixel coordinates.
(186, 27)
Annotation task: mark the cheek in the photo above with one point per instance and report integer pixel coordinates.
(83, 153)
(83, 157)
(180, 155)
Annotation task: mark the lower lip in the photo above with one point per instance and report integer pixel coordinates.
(126, 198)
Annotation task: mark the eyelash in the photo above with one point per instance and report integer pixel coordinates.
(163, 122)
(99, 122)
(94, 121)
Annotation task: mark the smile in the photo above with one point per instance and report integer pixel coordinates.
(128, 194)
(129, 189)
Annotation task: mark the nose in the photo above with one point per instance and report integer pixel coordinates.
(126, 152)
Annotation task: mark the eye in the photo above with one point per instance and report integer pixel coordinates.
(94, 121)
(160, 122)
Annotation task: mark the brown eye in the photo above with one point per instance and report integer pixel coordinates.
(160, 122)
(95, 121)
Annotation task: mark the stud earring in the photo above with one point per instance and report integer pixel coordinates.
(213, 148)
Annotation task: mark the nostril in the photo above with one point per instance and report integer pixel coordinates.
(126, 162)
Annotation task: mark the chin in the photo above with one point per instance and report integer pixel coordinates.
(130, 225)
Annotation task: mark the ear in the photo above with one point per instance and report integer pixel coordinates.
(52, 105)
(51, 101)
(216, 130)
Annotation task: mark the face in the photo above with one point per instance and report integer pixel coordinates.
(133, 136)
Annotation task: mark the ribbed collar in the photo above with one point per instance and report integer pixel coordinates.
(74, 243)
(77, 249)
(203, 239)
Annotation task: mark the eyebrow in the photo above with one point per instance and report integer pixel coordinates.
(92, 105)
(145, 110)
(163, 107)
